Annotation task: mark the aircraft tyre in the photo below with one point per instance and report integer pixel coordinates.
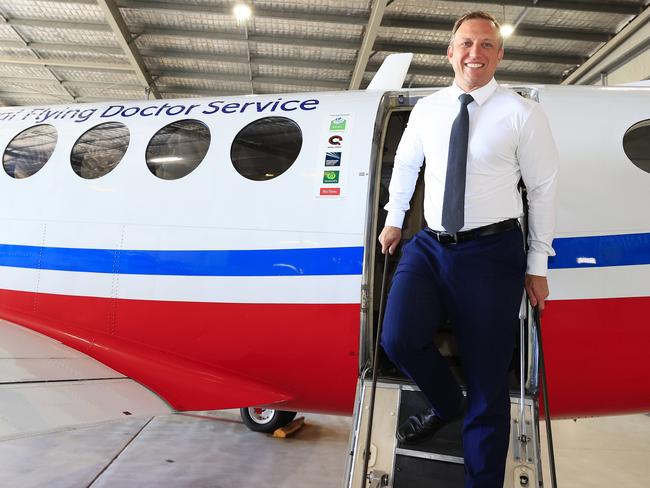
(265, 420)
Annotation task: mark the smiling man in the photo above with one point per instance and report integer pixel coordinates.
(468, 265)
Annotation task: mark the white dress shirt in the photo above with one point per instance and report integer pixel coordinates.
(509, 138)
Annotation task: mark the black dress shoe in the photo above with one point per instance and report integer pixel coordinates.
(423, 425)
(419, 427)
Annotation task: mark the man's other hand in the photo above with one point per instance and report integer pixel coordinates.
(537, 290)
(389, 239)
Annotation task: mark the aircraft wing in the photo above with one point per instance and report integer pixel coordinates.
(46, 386)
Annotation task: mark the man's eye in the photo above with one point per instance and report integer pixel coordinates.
(487, 45)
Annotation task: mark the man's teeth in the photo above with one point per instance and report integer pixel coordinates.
(474, 65)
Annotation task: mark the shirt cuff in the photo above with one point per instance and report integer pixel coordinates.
(395, 218)
(537, 264)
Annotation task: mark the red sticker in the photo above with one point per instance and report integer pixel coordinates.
(335, 140)
(330, 191)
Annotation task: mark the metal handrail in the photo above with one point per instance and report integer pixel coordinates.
(375, 373)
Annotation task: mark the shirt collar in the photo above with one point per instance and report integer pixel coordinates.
(480, 95)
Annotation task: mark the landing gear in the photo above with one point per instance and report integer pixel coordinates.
(265, 420)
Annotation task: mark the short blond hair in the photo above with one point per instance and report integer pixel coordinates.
(477, 14)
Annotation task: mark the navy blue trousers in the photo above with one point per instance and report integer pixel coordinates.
(478, 286)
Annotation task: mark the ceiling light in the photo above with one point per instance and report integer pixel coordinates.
(242, 12)
(507, 30)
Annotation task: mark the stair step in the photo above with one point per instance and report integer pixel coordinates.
(413, 472)
(446, 442)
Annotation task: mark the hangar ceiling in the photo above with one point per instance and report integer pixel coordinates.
(59, 51)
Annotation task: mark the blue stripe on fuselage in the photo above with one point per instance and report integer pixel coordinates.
(572, 252)
(601, 251)
(268, 262)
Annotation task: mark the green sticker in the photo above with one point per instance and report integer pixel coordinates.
(331, 177)
(338, 124)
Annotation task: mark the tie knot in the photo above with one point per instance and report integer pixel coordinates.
(466, 99)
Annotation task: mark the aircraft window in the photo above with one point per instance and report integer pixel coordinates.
(266, 148)
(28, 152)
(636, 144)
(98, 151)
(177, 149)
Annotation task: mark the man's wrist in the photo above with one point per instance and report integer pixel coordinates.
(395, 218)
(537, 264)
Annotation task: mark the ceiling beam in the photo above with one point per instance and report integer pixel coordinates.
(199, 75)
(71, 83)
(123, 36)
(361, 18)
(437, 24)
(229, 36)
(511, 54)
(59, 24)
(113, 67)
(369, 36)
(66, 47)
(627, 8)
(183, 90)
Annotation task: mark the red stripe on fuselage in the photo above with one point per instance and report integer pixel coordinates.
(216, 355)
(596, 355)
(210, 355)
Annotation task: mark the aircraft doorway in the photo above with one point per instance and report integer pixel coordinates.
(440, 458)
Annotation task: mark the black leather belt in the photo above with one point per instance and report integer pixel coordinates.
(469, 235)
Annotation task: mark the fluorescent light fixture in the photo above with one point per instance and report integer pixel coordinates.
(242, 12)
(166, 159)
(507, 30)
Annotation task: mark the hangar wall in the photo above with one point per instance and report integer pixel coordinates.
(624, 59)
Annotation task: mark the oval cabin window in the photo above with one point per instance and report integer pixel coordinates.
(266, 148)
(177, 149)
(636, 144)
(28, 152)
(98, 151)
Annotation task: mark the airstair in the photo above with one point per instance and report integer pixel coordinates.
(438, 462)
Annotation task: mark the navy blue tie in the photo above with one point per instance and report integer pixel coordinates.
(453, 205)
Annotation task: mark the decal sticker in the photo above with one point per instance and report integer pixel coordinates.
(333, 159)
(338, 124)
(330, 192)
(331, 177)
(335, 140)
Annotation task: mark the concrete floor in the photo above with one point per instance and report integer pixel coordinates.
(605, 452)
(215, 450)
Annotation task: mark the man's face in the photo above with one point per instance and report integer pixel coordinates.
(475, 53)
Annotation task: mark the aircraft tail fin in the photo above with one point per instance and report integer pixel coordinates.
(392, 72)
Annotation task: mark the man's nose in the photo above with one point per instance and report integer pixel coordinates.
(474, 50)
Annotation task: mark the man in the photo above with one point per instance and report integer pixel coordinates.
(469, 264)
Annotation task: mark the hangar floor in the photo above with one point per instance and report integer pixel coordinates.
(58, 429)
(215, 450)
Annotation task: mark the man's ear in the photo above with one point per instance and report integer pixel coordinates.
(500, 54)
(450, 52)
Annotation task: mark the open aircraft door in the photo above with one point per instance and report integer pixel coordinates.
(437, 461)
